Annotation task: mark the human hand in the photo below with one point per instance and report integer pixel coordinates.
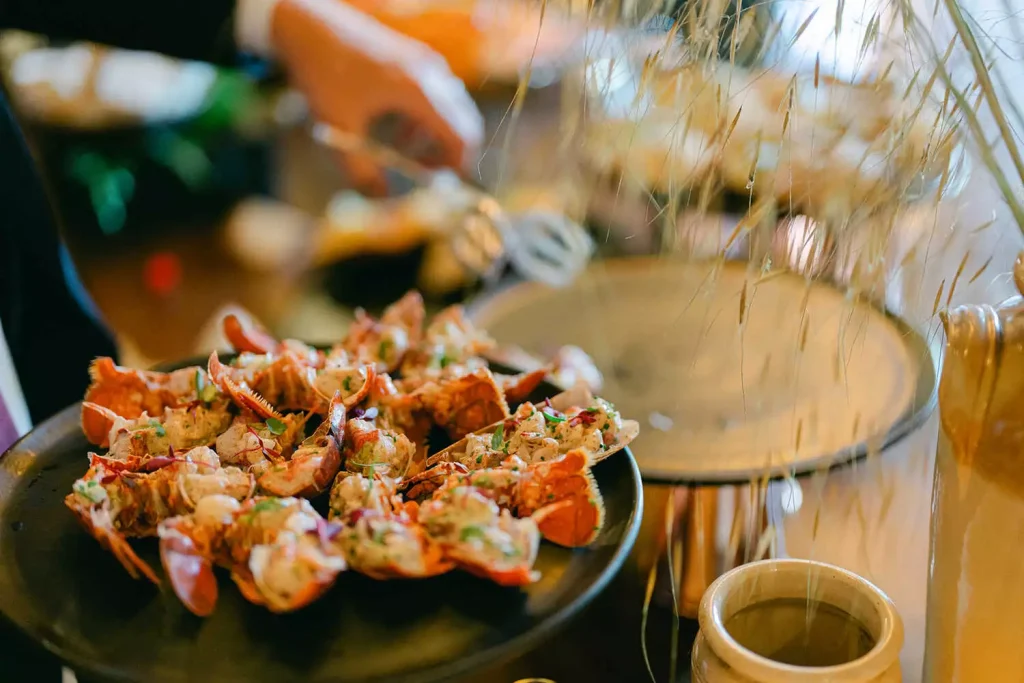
(363, 78)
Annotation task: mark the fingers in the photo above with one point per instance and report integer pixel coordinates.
(408, 137)
(439, 122)
(355, 71)
(364, 174)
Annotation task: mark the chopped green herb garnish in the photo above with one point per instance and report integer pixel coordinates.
(445, 361)
(265, 505)
(382, 350)
(89, 491)
(551, 496)
(498, 438)
(209, 393)
(605, 427)
(554, 419)
(471, 532)
(158, 428)
(347, 384)
(479, 459)
(592, 410)
(276, 427)
(204, 392)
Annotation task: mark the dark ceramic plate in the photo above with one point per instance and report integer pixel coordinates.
(64, 591)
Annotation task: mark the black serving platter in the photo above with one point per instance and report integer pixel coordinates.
(61, 589)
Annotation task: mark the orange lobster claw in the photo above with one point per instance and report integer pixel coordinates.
(520, 575)
(190, 573)
(100, 527)
(465, 404)
(315, 463)
(129, 393)
(247, 586)
(239, 392)
(247, 337)
(518, 388)
(575, 515)
(97, 422)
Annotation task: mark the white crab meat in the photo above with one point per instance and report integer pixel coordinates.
(246, 443)
(352, 492)
(376, 543)
(470, 521)
(481, 452)
(349, 380)
(198, 426)
(380, 450)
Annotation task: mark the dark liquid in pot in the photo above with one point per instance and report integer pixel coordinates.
(800, 632)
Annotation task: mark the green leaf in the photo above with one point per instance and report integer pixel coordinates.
(205, 392)
(209, 393)
(158, 428)
(553, 419)
(347, 384)
(276, 427)
(471, 532)
(89, 491)
(445, 362)
(498, 438)
(266, 505)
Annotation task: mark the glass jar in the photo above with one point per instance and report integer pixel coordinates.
(976, 584)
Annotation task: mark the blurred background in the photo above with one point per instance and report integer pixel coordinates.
(195, 187)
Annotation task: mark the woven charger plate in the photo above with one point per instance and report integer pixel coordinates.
(809, 379)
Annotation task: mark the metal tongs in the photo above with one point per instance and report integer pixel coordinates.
(540, 245)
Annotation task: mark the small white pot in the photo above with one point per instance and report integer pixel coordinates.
(719, 658)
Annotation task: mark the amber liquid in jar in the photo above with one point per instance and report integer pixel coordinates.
(800, 632)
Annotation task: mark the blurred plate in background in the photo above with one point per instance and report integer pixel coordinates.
(809, 379)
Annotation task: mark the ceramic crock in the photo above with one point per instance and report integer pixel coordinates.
(719, 658)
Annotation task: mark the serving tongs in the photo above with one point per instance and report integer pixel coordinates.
(540, 245)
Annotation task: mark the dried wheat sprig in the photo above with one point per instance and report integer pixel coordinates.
(968, 110)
